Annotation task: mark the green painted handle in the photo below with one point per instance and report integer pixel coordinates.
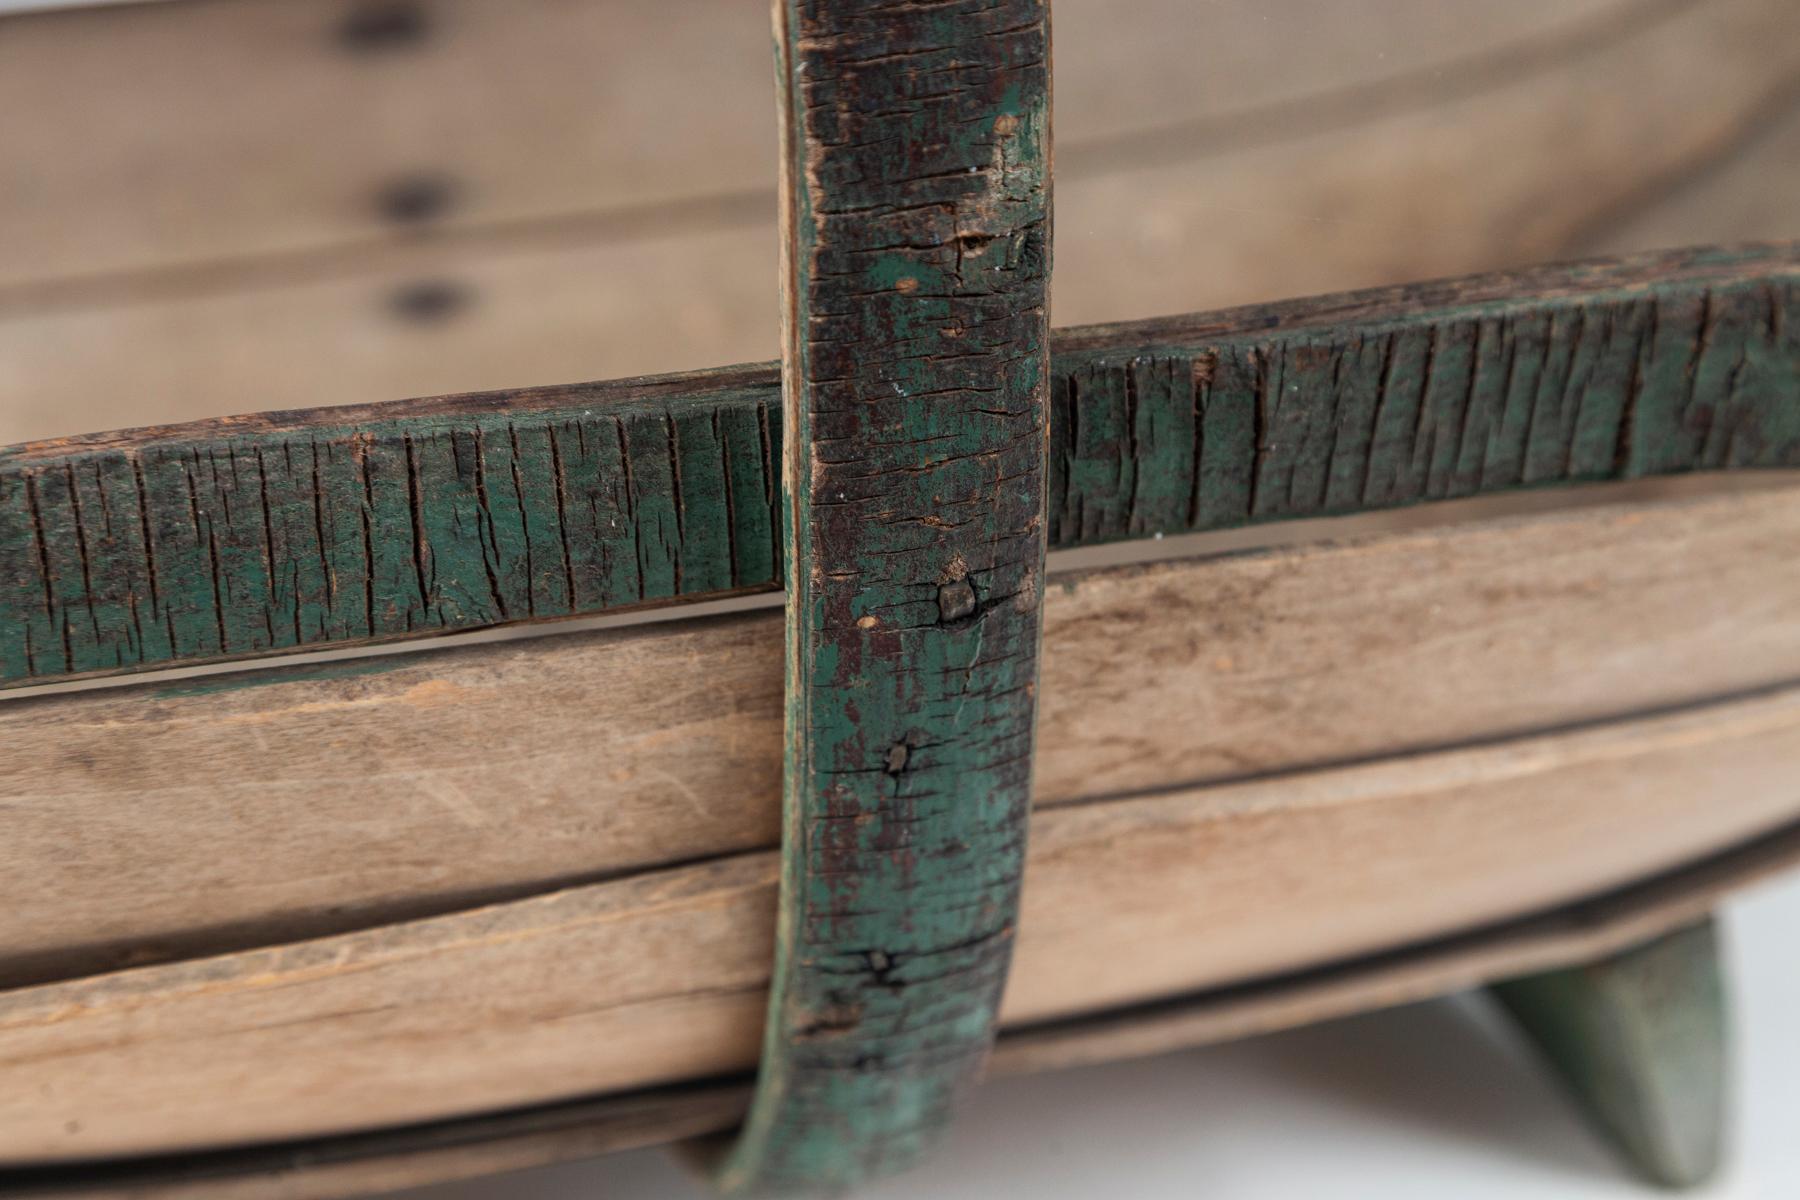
(915, 193)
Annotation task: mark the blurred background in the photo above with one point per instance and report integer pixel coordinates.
(220, 206)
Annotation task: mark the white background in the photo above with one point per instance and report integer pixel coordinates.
(1432, 1102)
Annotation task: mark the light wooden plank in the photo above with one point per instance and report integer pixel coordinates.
(413, 1156)
(343, 794)
(916, 378)
(1568, 936)
(354, 122)
(383, 1161)
(661, 977)
(1536, 170)
(1516, 170)
(1730, 194)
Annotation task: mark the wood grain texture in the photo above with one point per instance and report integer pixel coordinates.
(550, 108)
(1721, 198)
(324, 527)
(1486, 173)
(662, 977)
(916, 230)
(1148, 497)
(1640, 1039)
(342, 795)
(381, 1161)
(410, 1156)
(277, 534)
(1208, 157)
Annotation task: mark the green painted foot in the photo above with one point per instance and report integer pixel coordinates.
(1640, 1040)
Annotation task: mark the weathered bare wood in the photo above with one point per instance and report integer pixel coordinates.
(405, 1157)
(661, 977)
(255, 535)
(1720, 197)
(1321, 149)
(344, 794)
(382, 133)
(383, 1160)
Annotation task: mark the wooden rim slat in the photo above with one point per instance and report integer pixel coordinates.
(381, 1160)
(252, 536)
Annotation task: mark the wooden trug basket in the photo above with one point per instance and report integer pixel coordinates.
(390, 914)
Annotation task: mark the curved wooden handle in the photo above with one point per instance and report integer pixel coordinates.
(915, 368)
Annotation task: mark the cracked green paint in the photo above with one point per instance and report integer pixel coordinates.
(916, 396)
(252, 536)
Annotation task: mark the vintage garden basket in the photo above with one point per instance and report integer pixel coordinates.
(298, 904)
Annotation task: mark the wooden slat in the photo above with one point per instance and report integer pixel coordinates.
(345, 794)
(356, 121)
(661, 977)
(326, 527)
(1721, 198)
(1566, 936)
(417, 1155)
(1315, 147)
(384, 1161)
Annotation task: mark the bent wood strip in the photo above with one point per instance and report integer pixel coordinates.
(1567, 936)
(459, 1149)
(411, 1157)
(915, 260)
(662, 977)
(341, 795)
(255, 535)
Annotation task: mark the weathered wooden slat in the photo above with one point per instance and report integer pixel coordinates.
(915, 269)
(337, 796)
(382, 133)
(325, 527)
(662, 976)
(412, 1156)
(428, 227)
(309, 531)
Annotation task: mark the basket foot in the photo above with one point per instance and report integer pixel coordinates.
(1640, 1040)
